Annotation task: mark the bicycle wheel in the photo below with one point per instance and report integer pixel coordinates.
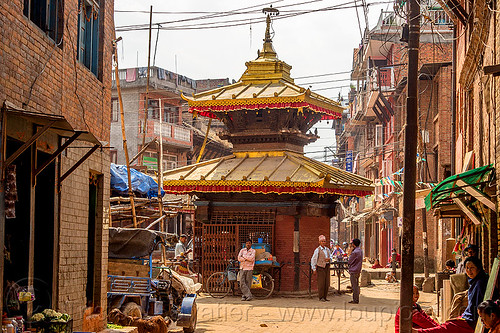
(267, 286)
(218, 285)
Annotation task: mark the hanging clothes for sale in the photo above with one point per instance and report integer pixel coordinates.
(10, 192)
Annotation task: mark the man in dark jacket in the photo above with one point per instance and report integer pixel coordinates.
(355, 263)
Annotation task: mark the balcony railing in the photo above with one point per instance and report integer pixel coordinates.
(436, 16)
(173, 131)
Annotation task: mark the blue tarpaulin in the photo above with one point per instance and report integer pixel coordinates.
(141, 182)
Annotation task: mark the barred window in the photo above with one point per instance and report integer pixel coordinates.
(47, 15)
(88, 35)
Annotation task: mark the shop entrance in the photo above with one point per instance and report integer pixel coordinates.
(17, 228)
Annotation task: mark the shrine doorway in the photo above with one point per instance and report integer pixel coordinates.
(226, 233)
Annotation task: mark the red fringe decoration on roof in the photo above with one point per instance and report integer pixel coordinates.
(207, 111)
(178, 189)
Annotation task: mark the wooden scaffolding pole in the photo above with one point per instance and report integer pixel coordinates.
(202, 149)
(160, 183)
(125, 148)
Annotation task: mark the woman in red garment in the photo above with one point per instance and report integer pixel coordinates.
(477, 287)
(419, 318)
(489, 312)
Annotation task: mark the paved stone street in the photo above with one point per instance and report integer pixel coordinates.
(374, 314)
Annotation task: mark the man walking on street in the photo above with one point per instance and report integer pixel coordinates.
(246, 257)
(355, 262)
(320, 263)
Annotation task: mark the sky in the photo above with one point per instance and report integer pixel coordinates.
(316, 43)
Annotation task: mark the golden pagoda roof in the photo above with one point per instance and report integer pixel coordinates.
(282, 172)
(266, 83)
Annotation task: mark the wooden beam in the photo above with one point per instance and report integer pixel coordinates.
(378, 113)
(479, 195)
(458, 10)
(467, 161)
(422, 193)
(57, 152)
(27, 144)
(493, 69)
(77, 164)
(155, 222)
(466, 210)
(385, 114)
(142, 150)
(31, 240)
(386, 104)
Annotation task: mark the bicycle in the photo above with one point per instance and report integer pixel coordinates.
(219, 284)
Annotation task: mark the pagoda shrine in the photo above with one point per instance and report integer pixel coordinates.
(267, 190)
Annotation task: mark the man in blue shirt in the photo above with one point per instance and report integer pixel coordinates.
(337, 252)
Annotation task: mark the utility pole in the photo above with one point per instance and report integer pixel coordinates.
(410, 165)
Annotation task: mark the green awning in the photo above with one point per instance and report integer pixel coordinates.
(446, 190)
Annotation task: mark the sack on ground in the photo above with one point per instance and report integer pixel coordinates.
(231, 276)
(238, 277)
(256, 282)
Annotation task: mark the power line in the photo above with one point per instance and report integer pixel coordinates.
(215, 14)
(233, 23)
(319, 75)
(328, 81)
(329, 88)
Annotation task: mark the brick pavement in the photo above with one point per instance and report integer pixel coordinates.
(374, 314)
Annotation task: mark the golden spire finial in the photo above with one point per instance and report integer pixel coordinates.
(268, 50)
(267, 37)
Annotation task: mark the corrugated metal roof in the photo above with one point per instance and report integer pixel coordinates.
(273, 169)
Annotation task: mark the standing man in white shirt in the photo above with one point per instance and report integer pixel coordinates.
(320, 263)
(181, 249)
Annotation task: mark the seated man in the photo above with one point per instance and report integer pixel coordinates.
(419, 318)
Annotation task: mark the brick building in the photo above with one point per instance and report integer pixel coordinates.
(165, 93)
(55, 76)
(371, 143)
(183, 136)
(475, 120)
